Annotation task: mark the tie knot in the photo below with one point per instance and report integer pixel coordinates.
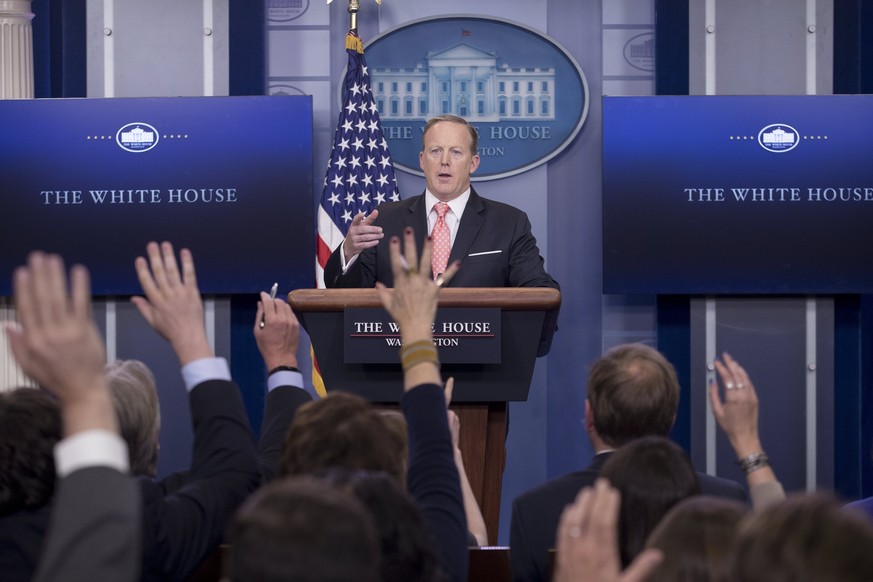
(441, 209)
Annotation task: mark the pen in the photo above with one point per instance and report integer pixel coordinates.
(273, 290)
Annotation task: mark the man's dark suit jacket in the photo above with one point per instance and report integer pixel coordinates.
(185, 515)
(536, 513)
(95, 528)
(494, 244)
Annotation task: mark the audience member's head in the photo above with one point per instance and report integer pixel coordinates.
(696, 538)
(652, 474)
(135, 399)
(299, 530)
(632, 392)
(808, 538)
(30, 426)
(407, 555)
(341, 430)
(397, 422)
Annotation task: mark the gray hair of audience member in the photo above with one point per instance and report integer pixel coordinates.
(633, 392)
(342, 430)
(806, 538)
(696, 538)
(30, 427)
(300, 529)
(652, 474)
(474, 135)
(135, 399)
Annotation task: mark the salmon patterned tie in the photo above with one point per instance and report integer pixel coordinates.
(442, 241)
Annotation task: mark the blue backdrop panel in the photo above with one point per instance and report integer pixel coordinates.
(737, 194)
(95, 179)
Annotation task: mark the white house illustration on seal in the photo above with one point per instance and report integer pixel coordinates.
(466, 81)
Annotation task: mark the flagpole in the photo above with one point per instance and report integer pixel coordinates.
(354, 6)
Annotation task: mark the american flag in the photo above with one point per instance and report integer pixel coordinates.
(360, 174)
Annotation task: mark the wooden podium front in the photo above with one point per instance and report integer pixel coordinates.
(528, 317)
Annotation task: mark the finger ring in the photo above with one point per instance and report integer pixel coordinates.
(740, 385)
(729, 385)
(412, 270)
(574, 531)
(440, 280)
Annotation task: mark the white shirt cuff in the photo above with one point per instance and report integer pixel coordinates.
(204, 369)
(91, 448)
(345, 266)
(284, 378)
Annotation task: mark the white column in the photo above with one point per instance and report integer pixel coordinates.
(16, 50)
(16, 82)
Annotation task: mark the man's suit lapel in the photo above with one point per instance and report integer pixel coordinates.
(417, 219)
(471, 223)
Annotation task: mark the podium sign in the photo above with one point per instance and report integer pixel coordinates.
(462, 336)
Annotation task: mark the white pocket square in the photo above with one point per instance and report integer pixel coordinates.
(485, 253)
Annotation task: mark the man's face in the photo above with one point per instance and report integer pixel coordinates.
(447, 161)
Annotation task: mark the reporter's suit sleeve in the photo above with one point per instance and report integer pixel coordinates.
(95, 528)
(282, 403)
(183, 526)
(432, 477)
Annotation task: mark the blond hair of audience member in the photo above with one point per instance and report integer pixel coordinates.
(807, 538)
(135, 399)
(696, 538)
(632, 392)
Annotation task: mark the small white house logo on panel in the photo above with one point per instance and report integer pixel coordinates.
(778, 138)
(137, 137)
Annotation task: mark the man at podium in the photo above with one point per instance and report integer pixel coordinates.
(491, 240)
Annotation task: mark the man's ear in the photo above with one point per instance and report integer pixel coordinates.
(589, 416)
(474, 163)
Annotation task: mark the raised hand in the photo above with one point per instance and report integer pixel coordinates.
(57, 343)
(279, 339)
(737, 414)
(172, 303)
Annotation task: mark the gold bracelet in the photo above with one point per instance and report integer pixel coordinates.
(418, 352)
(416, 345)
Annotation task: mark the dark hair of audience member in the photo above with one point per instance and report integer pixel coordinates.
(299, 530)
(652, 474)
(342, 430)
(407, 553)
(397, 423)
(135, 399)
(696, 538)
(807, 538)
(30, 426)
(633, 392)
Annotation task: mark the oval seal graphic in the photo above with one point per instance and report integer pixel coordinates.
(137, 137)
(523, 92)
(778, 138)
(639, 52)
(285, 10)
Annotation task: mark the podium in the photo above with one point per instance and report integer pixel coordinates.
(482, 390)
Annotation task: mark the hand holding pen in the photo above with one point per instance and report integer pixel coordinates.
(273, 290)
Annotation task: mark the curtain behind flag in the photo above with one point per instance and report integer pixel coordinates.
(360, 174)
